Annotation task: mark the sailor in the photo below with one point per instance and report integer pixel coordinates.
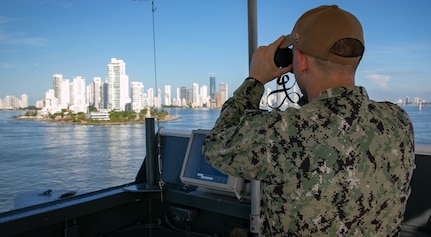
(341, 164)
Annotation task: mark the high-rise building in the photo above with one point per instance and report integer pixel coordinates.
(212, 91)
(50, 103)
(183, 93)
(61, 89)
(137, 91)
(203, 95)
(57, 85)
(11, 102)
(95, 93)
(223, 92)
(212, 86)
(195, 94)
(105, 95)
(168, 95)
(78, 95)
(177, 100)
(189, 97)
(24, 101)
(65, 94)
(118, 85)
(158, 99)
(150, 93)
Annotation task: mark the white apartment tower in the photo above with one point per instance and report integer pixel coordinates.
(95, 93)
(158, 99)
(24, 101)
(78, 95)
(137, 89)
(118, 85)
(61, 89)
(168, 98)
(195, 94)
(150, 95)
(57, 85)
(204, 99)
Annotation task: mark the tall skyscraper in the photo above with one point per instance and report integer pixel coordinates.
(204, 101)
(78, 95)
(223, 93)
(57, 85)
(95, 93)
(118, 85)
(150, 97)
(158, 99)
(183, 94)
(61, 88)
(212, 91)
(24, 101)
(168, 98)
(195, 94)
(137, 89)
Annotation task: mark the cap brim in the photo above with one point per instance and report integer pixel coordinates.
(288, 41)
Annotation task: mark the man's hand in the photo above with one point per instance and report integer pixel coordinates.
(262, 66)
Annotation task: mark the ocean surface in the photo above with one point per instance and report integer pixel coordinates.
(38, 156)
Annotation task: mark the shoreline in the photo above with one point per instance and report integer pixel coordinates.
(90, 122)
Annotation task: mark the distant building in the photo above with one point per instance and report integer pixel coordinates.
(212, 91)
(50, 103)
(11, 102)
(183, 94)
(95, 93)
(61, 89)
(118, 85)
(101, 116)
(78, 95)
(203, 97)
(137, 94)
(167, 95)
(24, 101)
(223, 93)
(150, 97)
(195, 95)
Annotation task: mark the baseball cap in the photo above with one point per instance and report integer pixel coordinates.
(318, 29)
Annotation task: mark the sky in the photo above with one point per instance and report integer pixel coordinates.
(196, 38)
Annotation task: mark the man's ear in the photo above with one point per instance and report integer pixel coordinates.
(302, 61)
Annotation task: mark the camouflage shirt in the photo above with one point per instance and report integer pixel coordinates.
(338, 166)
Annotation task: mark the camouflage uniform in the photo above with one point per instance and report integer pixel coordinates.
(338, 166)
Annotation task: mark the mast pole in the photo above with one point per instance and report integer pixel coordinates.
(255, 190)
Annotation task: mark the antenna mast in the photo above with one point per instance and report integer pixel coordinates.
(154, 50)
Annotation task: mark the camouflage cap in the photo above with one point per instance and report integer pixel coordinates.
(318, 29)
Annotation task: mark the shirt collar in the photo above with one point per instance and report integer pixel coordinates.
(347, 91)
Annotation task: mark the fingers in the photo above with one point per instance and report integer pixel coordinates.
(276, 44)
(262, 66)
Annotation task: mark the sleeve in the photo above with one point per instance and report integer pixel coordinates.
(236, 143)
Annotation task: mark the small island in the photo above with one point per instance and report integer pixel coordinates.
(99, 117)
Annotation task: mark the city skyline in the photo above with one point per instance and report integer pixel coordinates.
(116, 93)
(40, 38)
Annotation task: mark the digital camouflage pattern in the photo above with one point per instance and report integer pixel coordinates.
(338, 166)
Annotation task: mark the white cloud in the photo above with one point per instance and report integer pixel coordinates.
(381, 80)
